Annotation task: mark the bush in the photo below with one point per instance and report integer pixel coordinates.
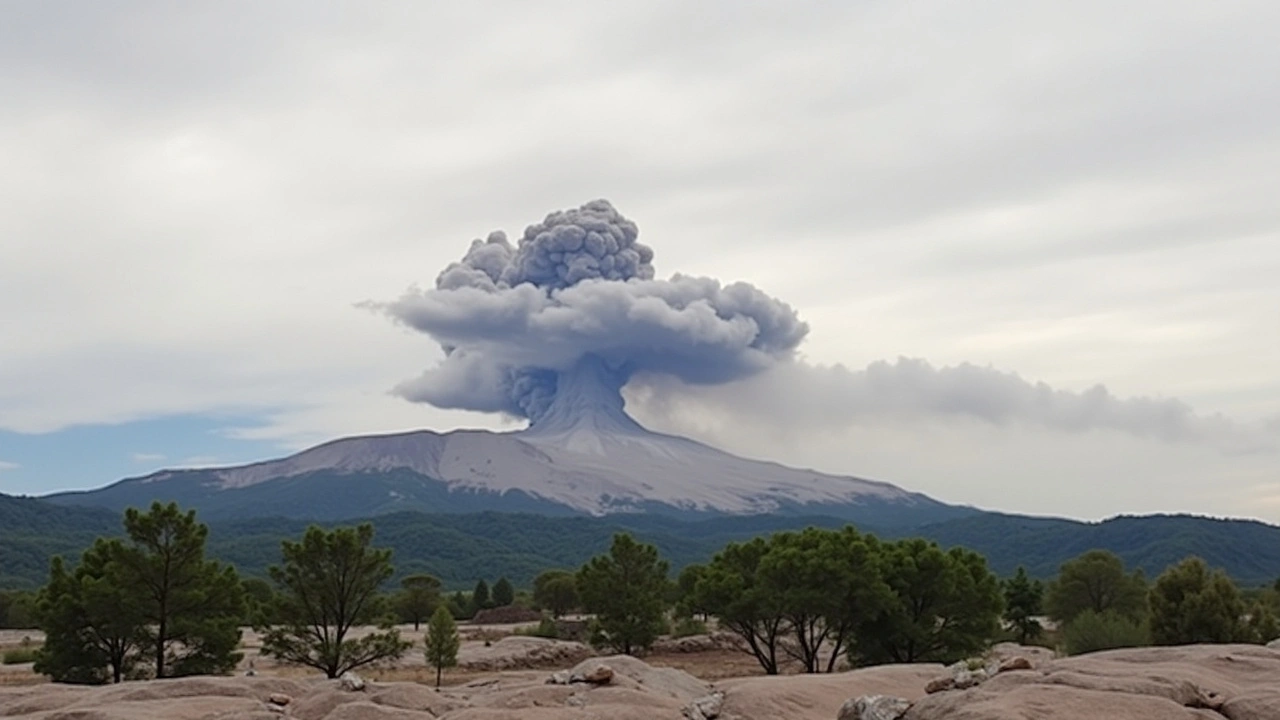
(688, 626)
(546, 628)
(19, 655)
(1091, 631)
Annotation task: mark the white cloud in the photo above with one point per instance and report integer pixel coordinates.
(147, 457)
(8, 466)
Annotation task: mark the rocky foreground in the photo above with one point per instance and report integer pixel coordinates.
(1239, 682)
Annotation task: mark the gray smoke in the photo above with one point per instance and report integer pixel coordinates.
(803, 398)
(579, 285)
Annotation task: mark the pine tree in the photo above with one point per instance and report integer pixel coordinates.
(441, 641)
(626, 589)
(328, 584)
(154, 593)
(91, 620)
(480, 596)
(503, 593)
(1023, 600)
(418, 596)
(192, 606)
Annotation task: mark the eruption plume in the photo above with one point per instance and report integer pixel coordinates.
(552, 328)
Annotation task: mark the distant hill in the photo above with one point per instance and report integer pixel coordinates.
(461, 548)
(32, 531)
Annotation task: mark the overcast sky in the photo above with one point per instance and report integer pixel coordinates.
(983, 211)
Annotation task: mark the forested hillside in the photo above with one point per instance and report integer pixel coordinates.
(459, 548)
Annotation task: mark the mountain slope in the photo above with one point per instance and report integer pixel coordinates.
(583, 455)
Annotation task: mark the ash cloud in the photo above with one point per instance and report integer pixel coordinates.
(802, 397)
(512, 318)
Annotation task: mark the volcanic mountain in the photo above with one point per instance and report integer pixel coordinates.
(583, 455)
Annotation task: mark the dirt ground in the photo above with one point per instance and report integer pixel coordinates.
(708, 665)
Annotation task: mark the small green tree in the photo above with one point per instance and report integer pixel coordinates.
(192, 607)
(442, 641)
(1023, 601)
(686, 598)
(480, 597)
(503, 593)
(1262, 623)
(18, 610)
(460, 606)
(1091, 631)
(946, 606)
(1096, 581)
(625, 589)
(91, 619)
(259, 600)
(556, 591)
(1192, 604)
(328, 584)
(418, 597)
(731, 590)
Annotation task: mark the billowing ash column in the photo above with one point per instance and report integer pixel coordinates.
(552, 329)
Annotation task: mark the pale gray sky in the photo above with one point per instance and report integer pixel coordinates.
(196, 197)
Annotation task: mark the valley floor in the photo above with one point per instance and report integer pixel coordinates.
(509, 678)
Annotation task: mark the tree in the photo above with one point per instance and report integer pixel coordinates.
(191, 606)
(328, 584)
(419, 595)
(731, 590)
(557, 591)
(625, 590)
(18, 609)
(686, 584)
(826, 583)
(946, 606)
(1023, 601)
(91, 619)
(259, 599)
(1263, 626)
(1192, 604)
(1091, 631)
(460, 606)
(480, 596)
(1096, 581)
(503, 593)
(442, 641)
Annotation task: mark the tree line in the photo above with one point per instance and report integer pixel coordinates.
(152, 605)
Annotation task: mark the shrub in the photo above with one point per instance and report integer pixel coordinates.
(546, 628)
(688, 626)
(19, 655)
(1091, 631)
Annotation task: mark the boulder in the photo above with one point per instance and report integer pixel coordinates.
(600, 674)
(706, 707)
(1016, 662)
(278, 698)
(873, 707)
(351, 682)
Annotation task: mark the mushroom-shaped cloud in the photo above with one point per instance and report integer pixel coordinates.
(579, 290)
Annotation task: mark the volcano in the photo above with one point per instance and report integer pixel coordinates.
(583, 455)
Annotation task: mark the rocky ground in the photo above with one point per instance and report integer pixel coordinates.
(1238, 682)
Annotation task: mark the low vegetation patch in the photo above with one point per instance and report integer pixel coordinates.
(19, 655)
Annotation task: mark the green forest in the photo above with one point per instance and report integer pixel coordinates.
(459, 548)
(147, 601)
